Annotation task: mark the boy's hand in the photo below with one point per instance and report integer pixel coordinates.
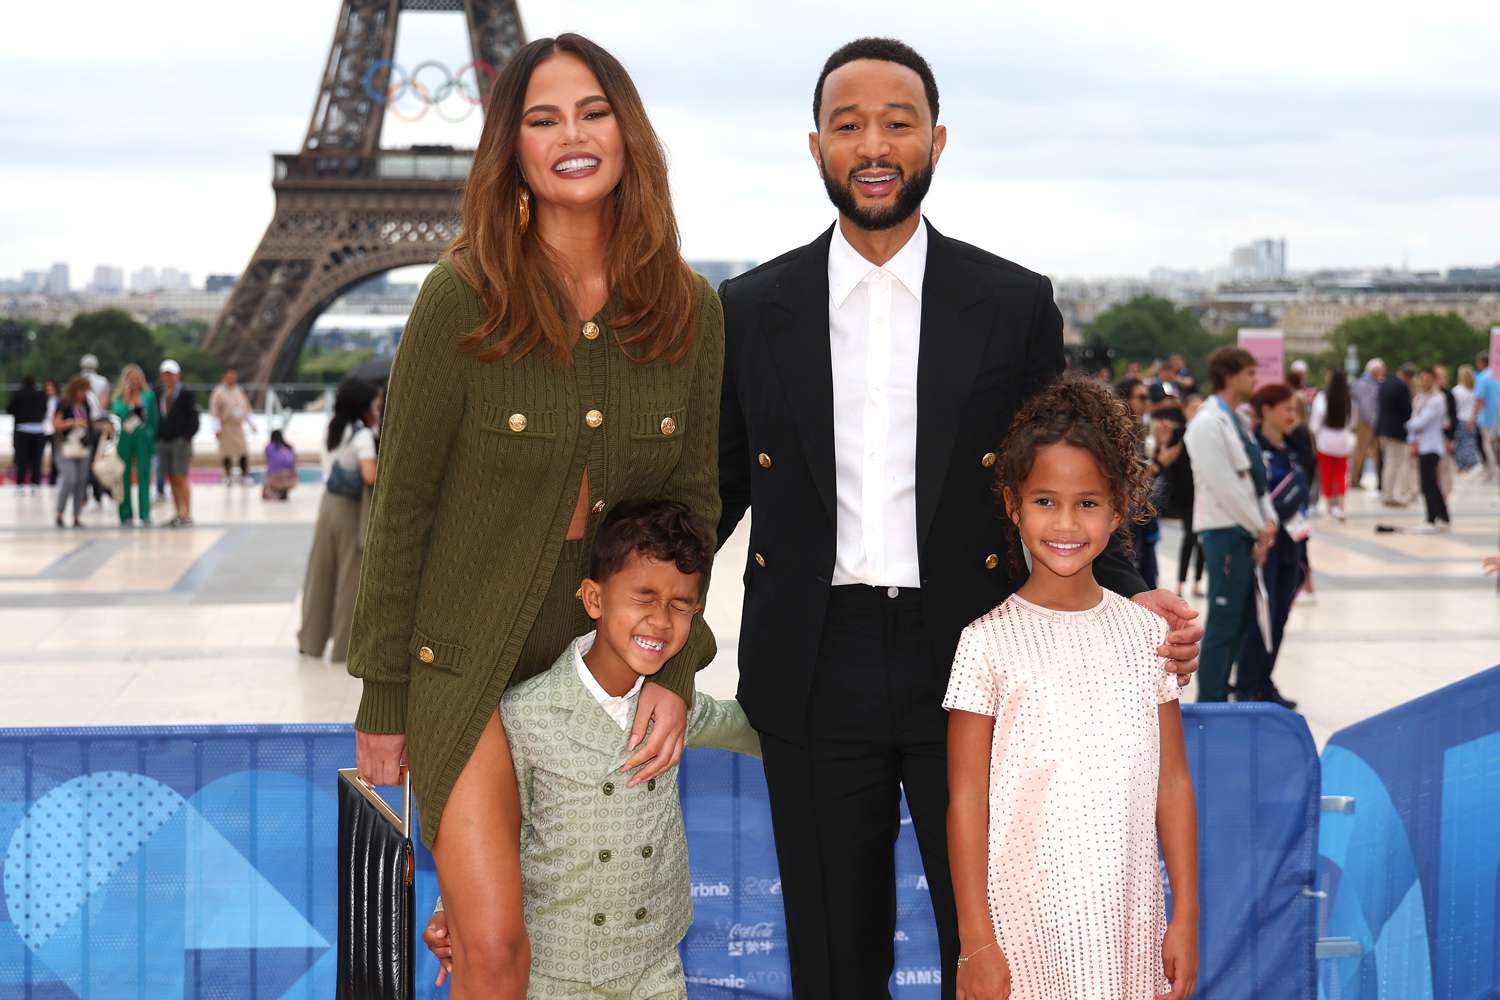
(435, 937)
(663, 748)
(986, 976)
(1179, 957)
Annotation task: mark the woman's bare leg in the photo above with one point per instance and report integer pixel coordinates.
(478, 857)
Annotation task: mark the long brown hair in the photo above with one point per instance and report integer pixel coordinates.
(521, 283)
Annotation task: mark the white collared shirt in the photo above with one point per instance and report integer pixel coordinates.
(875, 332)
(620, 708)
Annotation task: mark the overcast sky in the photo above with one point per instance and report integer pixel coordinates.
(1085, 138)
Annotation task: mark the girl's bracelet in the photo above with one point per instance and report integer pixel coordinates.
(964, 958)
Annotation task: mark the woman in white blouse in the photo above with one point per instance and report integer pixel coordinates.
(1332, 422)
(332, 578)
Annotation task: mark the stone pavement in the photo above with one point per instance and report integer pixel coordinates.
(111, 626)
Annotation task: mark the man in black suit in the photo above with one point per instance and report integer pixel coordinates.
(868, 380)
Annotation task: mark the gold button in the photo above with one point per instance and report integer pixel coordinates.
(646, 851)
(591, 330)
(668, 426)
(425, 654)
(598, 507)
(765, 460)
(517, 422)
(988, 461)
(598, 920)
(640, 914)
(760, 560)
(578, 594)
(605, 856)
(593, 418)
(991, 561)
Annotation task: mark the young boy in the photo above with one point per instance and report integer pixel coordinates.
(604, 864)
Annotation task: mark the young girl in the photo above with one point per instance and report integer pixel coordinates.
(1065, 752)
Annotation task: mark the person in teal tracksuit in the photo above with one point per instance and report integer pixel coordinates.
(135, 407)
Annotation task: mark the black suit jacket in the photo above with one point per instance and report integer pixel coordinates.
(181, 418)
(991, 336)
(1394, 402)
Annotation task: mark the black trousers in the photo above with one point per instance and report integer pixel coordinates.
(28, 449)
(1432, 494)
(875, 726)
(1190, 553)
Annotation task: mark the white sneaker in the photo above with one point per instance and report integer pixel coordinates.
(1307, 597)
(1426, 529)
(1445, 526)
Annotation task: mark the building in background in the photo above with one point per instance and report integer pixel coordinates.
(173, 280)
(1260, 260)
(718, 271)
(59, 282)
(107, 280)
(219, 282)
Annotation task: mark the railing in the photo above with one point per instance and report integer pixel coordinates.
(415, 164)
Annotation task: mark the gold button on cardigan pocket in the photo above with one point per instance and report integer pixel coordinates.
(435, 655)
(661, 426)
(517, 423)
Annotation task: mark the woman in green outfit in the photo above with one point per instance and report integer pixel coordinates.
(135, 407)
(559, 359)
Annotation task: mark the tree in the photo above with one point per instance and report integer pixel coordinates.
(1424, 339)
(1149, 327)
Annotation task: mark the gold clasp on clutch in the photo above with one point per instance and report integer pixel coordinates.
(402, 822)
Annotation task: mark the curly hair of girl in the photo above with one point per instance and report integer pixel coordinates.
(1085, 413)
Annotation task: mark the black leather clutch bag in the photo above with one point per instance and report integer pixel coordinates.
(376, 895)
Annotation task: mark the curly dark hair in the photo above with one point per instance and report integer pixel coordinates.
(1085, 413)
(664, 530)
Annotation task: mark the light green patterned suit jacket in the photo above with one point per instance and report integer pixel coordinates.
(604, 866)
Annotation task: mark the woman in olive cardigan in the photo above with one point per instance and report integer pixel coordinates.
(561, 358)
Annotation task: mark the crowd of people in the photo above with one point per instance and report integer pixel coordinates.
(1246, 464)
(92, 439)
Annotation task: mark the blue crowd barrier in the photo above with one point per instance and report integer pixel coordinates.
(199, 862)
(1410, 851)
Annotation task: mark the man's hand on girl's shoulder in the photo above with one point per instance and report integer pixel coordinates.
(1183, 632)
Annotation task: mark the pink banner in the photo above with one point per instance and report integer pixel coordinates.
(1269, 348)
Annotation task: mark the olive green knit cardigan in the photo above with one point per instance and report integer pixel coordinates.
(479, 471)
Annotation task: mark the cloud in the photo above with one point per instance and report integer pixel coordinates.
(1085, 139)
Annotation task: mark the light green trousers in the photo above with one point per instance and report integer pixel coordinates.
(661, 980)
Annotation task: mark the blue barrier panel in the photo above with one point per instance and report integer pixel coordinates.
(1412, 874)
(198, 862)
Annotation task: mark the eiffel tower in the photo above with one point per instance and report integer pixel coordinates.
(346, 209)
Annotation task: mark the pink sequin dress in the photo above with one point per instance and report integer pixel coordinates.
(1074, 889)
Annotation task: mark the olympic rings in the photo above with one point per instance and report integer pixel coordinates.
(399, 83)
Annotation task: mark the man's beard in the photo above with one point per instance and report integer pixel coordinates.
(908, 198)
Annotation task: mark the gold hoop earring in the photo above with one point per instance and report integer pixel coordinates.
(524, 209)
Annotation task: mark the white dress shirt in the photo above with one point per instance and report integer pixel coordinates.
(874, 329)
(621, 708)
